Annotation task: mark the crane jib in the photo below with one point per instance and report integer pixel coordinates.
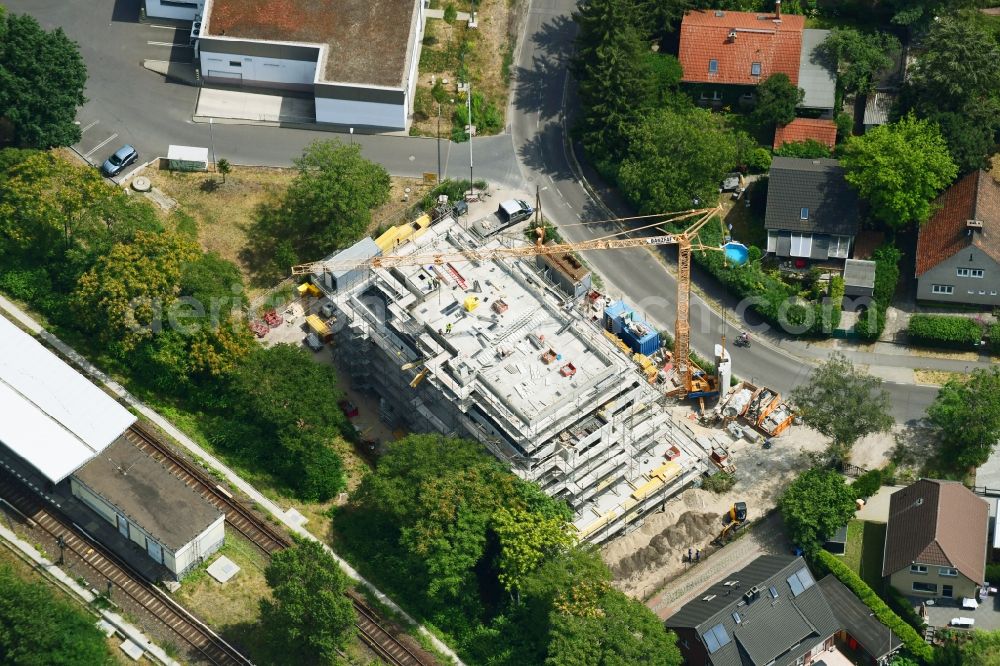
(661, 240)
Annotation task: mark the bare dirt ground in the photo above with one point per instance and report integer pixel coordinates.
(644, 560)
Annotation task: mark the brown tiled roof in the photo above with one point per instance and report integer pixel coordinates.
(940, 523)
(803, 129)
(776, 45)
(975, 197)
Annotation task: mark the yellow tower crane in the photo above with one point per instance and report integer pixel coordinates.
(686, 241)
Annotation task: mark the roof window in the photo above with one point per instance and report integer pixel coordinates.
(803, 213)
(713, 66)
(755, 69)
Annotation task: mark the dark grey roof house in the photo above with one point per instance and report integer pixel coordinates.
(856, 622)
(812, 213)
(770, 612)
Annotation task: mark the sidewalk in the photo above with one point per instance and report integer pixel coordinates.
(290, 518)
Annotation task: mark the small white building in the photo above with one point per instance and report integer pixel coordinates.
(150, 506)
(357, 58)
(56, 423)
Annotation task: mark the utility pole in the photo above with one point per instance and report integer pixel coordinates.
(468, 101)
(211, 136)
(62, 548)
(439, 142)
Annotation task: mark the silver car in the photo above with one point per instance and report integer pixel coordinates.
(122, 158)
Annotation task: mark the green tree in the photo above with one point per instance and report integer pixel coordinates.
(526, 540)
(675, 158)
(859, 56)
(123, 296)
(966, 416)
(308, 618)
(815, 506)
(980, 648)
(330, 201)
(969, 134)
(42, 77)
(899, 168)
(836, 389)
(39, 629)
(777, 98)
(224, 168)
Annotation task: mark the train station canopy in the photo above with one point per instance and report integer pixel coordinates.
(51, 415)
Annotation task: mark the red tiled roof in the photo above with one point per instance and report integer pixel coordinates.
(759, 38)
(974, 197)
(802, 129)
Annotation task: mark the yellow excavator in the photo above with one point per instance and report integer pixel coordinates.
(735, 519)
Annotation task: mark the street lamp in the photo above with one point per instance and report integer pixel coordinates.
(468, 101)
(61, 542)
(352, 135)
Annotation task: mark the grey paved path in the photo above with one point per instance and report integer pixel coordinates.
(88, 368)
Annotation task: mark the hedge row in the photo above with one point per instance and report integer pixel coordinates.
(944, 331)
(872, 323)
(825, 562)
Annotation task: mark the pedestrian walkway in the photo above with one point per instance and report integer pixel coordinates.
(291, 519)
(439, 14)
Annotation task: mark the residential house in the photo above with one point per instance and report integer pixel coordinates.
(769, 612)
(860, 635)
(812, 213)
(958, 249)
(935, 542)
(725, 54)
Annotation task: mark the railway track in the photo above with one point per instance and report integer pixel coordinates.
(381, 641)
(108, 566)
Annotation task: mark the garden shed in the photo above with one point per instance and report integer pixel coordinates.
(859, 277)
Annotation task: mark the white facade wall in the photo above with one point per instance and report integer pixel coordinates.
(174, 9)
(260, 69)
(198, 548)
(414, 48)
(351, 112)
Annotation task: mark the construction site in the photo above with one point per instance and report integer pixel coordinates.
(508, 343)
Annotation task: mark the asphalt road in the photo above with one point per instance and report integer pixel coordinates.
(128, 104)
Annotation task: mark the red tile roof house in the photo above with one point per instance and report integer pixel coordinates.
(725, 54)
(935, 541)
(822, 130)
(958, 249)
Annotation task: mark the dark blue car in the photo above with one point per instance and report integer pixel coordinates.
(122, 158)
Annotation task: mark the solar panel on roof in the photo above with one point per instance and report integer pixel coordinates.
(795, 585)
(715, 638)
(800, 581)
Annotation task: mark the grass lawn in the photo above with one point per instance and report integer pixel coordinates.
(865, 547)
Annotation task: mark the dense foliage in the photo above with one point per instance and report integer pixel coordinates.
(307, 618)
(836, 388)
(489, 559)
(39, 629)
(859, 56)
(815, 506)
(979, 648)
(955, 83)
(899, 168)
(808, 149)
(966, 417)
(867, 484)
(944, 331)
(42, 78)
(823, 562)
(777, 98)
(147, 302)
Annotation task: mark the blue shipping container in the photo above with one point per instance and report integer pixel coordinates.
(638, 334)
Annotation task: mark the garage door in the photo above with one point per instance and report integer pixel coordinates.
(235, 77)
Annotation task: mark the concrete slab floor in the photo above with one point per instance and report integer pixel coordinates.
(215, 103)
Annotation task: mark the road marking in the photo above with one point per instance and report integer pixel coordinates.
(181, 44)
(89, 126)
(164, 27)
(100, 145)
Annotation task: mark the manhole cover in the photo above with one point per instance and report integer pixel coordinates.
(141, 184)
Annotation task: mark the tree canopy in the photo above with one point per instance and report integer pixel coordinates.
(843, 402)
(979, 648)
(966, 416)
(42, 78)
(777, 98)
(859, 56)
(815, 506)
(675, 158)
(308, 618)
(899, 168)
(39, 629)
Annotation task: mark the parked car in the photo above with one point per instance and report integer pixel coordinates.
(313, 342)
(122, 158)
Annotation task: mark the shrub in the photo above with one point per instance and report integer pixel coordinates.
(450, 13)
(719, 482)
(993, 337)
(845, 125)
(993, 572)
(868, 483)
(825, 562)
(944, 331)
(485, 116)
(904, 609)
(759, 160)
(809, 149)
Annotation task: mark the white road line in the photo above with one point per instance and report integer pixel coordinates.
(89, 126)
(187, 46)
(163, 27)
(100, 145)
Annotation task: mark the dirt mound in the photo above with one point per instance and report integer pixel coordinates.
(690, 529)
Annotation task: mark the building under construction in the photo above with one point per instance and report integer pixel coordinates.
(508, 352)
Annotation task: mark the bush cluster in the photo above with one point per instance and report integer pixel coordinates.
(868, 483)
(825, 562)
(944, 331)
